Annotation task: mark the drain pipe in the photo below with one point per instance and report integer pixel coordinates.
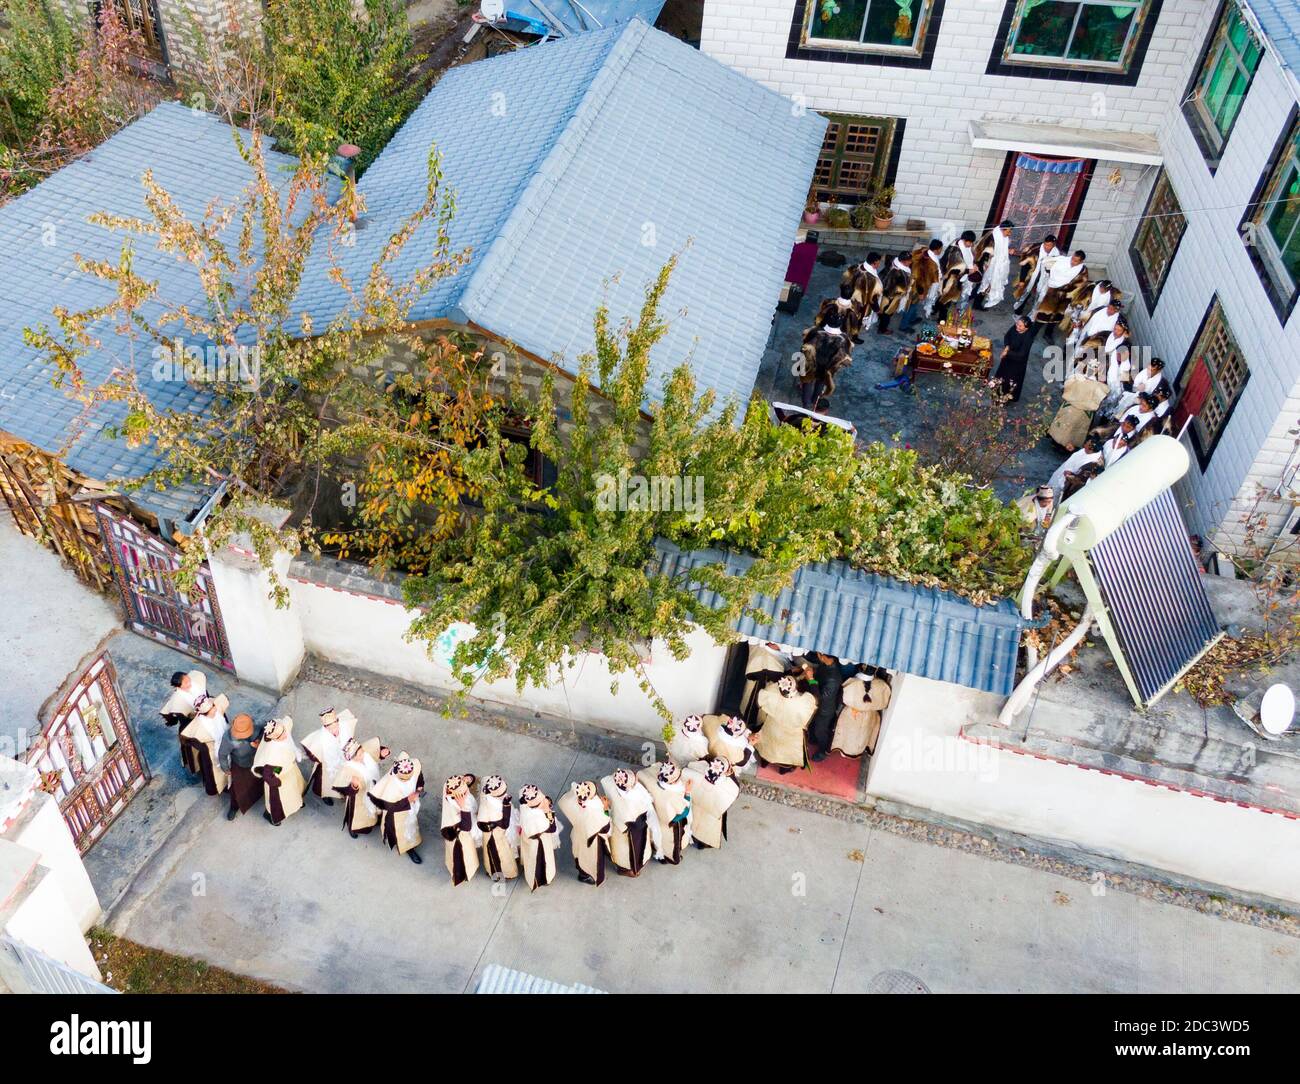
(1047, 555)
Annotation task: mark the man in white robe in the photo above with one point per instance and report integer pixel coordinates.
(459, 829)
(1089, 453)
(178, 709)
(589, 823)
(324, 747)
(1115, 448)
(1034, 286)
(276, 763)
(357, 776)
(689, 740)
(203, 733)
(995, 249)
(1092, 328)
(713, 793)
(397, 797)
(498, 820)
(671, 795)
(784, 714)
(539, 836)
(1064, 278)
(635, 836)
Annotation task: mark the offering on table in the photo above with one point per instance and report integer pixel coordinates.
(925, 348)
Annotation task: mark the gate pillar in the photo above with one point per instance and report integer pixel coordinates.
(266, 642)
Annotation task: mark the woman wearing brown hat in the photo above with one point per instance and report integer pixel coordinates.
(236, 755)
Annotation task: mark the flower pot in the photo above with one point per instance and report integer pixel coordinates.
(812, 217)
(883, 222)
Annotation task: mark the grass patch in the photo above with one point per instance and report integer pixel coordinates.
(137, 969)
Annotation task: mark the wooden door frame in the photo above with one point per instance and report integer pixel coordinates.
(1070, 221)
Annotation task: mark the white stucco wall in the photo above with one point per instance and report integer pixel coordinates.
(367, 632)
(43, 830)
(940, 176)
(922, 761)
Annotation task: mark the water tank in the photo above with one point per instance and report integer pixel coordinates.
(1124, 489)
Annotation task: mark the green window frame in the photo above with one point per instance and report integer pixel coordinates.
(1092, 35)
(855, 155)
(871, 26)
(1273, 233)
(1224, 78)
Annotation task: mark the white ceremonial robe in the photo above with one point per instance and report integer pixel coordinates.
(687, 747)
(326, 752)
(1078, 459)
(359, 813)
(673, 808)
(590, 829)
(785, 721)
(635, 837)
(709, 804)
(399, 808)
(998, 272)
(276, 763)
(461, 837)
(738, 751)
(858, 725)
(498, 820)
(539, 835)
(207, 729)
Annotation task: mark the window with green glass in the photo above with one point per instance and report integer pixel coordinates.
(1076, 33)
(1225, 77)
(867, 24)
(1277, 222)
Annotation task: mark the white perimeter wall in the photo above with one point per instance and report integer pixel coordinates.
(922, 761)
(367, 632)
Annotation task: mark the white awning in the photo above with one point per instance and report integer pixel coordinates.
(1056, 139)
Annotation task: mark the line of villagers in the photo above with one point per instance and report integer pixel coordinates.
(655, 813)
(1107, 408)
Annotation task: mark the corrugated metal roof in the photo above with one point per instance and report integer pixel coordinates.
(578, 16)
(860, 617)
(505, 980)
(580, 166)
(1280, 21)
(194, 157)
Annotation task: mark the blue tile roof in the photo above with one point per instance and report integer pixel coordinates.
(577, 16)
(193, 156)
(1280, 21)
(580, 166)
(859, 617)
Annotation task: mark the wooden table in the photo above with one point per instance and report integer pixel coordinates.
(962, 363)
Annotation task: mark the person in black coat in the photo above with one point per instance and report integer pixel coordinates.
(830, 675)
(1014, 360)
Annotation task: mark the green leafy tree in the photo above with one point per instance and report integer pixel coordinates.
(292, 405)
(341, 72)
(545, 571)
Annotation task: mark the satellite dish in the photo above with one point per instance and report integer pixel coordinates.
(493, 10)
(1277, 710)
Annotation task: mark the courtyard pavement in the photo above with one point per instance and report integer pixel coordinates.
(795, 901)
(880, 415)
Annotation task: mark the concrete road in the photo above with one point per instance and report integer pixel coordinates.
(796, 901)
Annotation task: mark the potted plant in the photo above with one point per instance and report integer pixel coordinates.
(812, 210)
(837, 218)
(882, 206)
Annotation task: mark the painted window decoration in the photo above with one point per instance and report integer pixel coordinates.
(1212, 381)
(1098, 34)
(1221, 86)
(1041, 197)
(854, 155)
(1274, 229)
(1157, 237)
(867, 25)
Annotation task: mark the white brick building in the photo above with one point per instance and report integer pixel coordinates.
(1072, 112)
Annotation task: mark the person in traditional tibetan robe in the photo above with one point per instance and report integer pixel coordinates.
(358, 773)
(539, 835)
(865, 697)
(397, 797)
(498, 820)
(867, 290)
(276, 764)
(635, 836)
(713, 791)
(689, 741)
(588, 816)
(461, 835)
(178, 709)
(731, 738)
(846, 311)
(960, 275)
(896, 290)
(325, 748)
(235, 755)
(1035, 263)
(927, 273)
(766, 665)
(785, 713)
(671, 795)
(204, 733)
(993, 254)
(1066, 279)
